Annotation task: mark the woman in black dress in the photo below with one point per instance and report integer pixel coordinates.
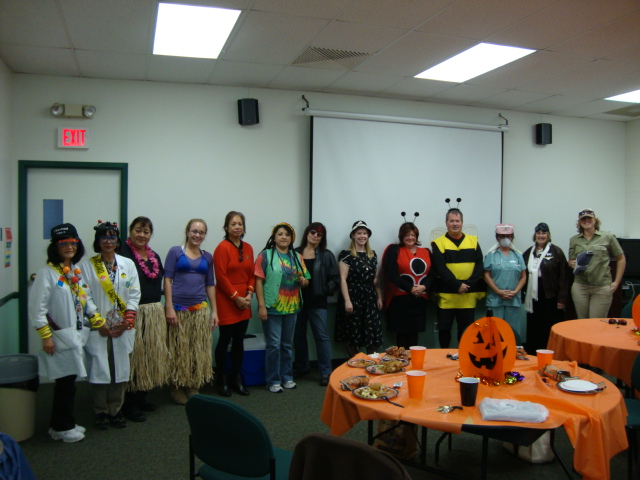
(358, 317)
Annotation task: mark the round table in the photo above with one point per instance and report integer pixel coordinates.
(595, 424)
(593, 341)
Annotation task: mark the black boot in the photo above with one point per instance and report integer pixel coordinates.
(223, 388)
(237, 384)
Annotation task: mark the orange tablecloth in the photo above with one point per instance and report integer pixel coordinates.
(594, 423)
(612, 348)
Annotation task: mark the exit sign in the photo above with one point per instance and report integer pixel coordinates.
(72, 138)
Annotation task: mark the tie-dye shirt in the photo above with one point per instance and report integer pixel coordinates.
(288, 300)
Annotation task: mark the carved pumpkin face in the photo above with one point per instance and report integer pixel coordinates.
(635, 311)
(487, 347)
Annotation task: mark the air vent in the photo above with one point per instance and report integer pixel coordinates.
(318, 55)
(632, 111)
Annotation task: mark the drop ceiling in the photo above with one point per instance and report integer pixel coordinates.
(586, 49)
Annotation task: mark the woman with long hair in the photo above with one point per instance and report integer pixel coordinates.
(115, 289)
(188, 285)
(358, 315)
(233, 266)
(150, 356)
(324, 282)
(58, 304)
(280, 272)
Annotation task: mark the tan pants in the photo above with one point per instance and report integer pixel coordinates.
(591, 302)
(108, 397)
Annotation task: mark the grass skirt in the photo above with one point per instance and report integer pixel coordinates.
(190, 362)
(150, 357)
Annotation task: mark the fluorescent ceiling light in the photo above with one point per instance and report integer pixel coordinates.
(188, 31)
(633, 97)
(480, 59)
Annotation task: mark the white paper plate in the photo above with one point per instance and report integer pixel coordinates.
(578, 386)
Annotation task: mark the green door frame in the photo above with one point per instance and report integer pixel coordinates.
(23, 280)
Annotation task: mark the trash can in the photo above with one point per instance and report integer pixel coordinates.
(19, 383)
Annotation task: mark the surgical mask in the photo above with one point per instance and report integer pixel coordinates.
(505, 242)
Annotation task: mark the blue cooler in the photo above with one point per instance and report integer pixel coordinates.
(253, 364)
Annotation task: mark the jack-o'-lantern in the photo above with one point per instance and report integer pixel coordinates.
(635, 311)
(487, 348)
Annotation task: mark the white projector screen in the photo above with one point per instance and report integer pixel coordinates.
(372, 171)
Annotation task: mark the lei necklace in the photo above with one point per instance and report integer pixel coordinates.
(142, 264)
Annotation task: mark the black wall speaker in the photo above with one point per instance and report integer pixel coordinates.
(248, 111)
(543, 134)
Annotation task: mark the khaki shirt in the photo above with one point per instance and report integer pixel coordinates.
(605, 247)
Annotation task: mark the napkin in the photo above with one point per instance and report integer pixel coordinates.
(506, 410)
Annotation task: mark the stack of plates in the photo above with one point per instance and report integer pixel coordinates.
(580, 386)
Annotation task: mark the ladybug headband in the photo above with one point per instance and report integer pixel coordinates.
(106, 226)
(415, 215)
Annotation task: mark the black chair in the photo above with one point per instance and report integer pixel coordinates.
(319, 456)
(633, 417)
(231, 442)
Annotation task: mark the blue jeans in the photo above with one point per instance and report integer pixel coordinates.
(278, 333)
(317, 318)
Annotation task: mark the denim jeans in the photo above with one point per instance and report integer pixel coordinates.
(317, 318)
(278, 333)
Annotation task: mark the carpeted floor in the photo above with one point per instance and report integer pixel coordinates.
(158, 448)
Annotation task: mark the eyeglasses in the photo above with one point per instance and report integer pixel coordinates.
(613, 321)
(108, 238)
(586, 212)
(69, 242)
(316, 233)
(197, 232)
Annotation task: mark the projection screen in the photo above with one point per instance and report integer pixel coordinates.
(372, 171)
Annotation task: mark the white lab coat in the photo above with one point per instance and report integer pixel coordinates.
(127, 286)
(48, 295)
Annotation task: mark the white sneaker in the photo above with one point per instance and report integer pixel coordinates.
(289, 385)
(277, 388)
(67, 436)
(80, 428)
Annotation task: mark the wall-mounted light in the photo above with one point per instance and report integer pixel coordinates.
(72, 111)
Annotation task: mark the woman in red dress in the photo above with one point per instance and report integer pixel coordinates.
(233, 266)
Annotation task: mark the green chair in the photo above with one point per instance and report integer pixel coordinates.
(231, 442)
(633, 417)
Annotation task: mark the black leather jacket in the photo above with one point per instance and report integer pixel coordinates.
(556, 275)
(325, 278)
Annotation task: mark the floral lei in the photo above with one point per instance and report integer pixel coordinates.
(141, 263)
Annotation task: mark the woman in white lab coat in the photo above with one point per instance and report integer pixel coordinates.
(59, 305)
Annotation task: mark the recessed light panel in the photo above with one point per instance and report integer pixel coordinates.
(190, 31)
(633, 97)
(471, 63)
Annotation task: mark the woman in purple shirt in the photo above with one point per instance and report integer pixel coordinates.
(188, 284)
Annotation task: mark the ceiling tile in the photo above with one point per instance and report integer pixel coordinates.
(327, 9)
(270, 38)
(468, 93)
(554, 103)
(356, 37)
(477, 20)
(35, 24)
(418, 87)
(243, 74)
(111, 65)
(46, 61)
(511, 99)
(117, 25)
(364, 81)
(305, 78)
(179, 69)
(405, 15)
(602, 41)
